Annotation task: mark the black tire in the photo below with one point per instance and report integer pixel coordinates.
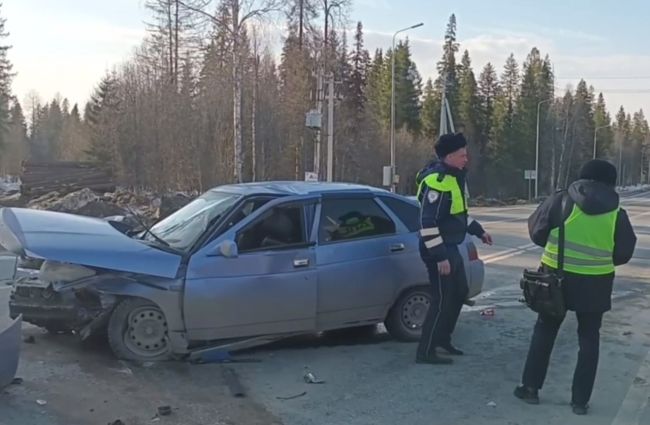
(137, 330)
(405, 318)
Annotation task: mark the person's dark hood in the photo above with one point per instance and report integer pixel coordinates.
(593, 197)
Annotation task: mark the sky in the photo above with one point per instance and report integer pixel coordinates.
(65, 46)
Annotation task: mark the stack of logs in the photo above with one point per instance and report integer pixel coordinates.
(41, 177)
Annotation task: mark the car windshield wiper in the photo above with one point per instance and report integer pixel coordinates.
(147, 229)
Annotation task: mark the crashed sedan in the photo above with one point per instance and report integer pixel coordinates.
(238, 266)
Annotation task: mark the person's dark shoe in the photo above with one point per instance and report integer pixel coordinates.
(452, 350)
(469, 303)
(529, 395)
(434, 359)
(579, 409)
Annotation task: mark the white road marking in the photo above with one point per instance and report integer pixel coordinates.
(636, 400)
(503, 255)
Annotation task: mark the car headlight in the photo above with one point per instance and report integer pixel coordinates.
(55, 272)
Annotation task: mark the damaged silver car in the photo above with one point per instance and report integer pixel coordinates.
(239, 266)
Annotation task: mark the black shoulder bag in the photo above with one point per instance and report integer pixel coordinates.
(543, 290)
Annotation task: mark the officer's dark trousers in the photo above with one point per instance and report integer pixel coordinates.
(448, 294)
(546, 330)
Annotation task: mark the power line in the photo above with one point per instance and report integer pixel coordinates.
(636, 77)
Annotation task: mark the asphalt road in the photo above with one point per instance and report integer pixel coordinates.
(369, 379)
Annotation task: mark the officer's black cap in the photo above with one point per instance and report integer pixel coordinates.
(449, 143)
(600, 171)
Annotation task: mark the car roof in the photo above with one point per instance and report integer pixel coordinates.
(296, 188)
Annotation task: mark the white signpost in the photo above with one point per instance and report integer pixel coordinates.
(530, 175)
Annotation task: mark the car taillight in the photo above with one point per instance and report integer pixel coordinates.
(472, 252)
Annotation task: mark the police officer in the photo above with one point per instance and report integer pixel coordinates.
(598, 237)
(441, 191)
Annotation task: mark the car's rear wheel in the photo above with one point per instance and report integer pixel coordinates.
(137, 330)
(405, 319)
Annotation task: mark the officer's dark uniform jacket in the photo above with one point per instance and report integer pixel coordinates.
(585, 293)
(444, 218)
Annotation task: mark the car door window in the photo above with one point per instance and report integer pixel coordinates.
(351, 219)
(281, 227)
(246, 209)
(408, 213)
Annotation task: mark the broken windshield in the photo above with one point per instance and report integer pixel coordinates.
(181, 229)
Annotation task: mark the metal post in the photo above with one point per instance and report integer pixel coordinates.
(330, 130)
(539, 104)
(596, 134)
(392, 109)
(319, 107)
(620, 161)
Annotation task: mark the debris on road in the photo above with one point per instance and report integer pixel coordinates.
(627, 333)
(310, 378)
(29, 339)
(41, 402)
(292, 397)
(164, 410)
(488, 312)
(17, 381)
(491, 404)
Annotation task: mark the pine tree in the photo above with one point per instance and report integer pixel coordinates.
(408, 90)
(295, 74)
(447, 80)
(6, 76)
(638, 145)
(622, 135)
(376, 88)
(102, 113)
(16, 147)
(468, 118)
(602, 125)
(430, 106)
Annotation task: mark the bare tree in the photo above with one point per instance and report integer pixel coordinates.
(241, 12)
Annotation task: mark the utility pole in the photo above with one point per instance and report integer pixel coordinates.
(539, 104)
(393, 184)
(330, 129)
(319, 109)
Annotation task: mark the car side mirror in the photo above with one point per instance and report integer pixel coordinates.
(228, 249)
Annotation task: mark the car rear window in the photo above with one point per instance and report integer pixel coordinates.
(408, 213)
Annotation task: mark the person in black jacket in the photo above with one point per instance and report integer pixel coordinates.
(587, 292)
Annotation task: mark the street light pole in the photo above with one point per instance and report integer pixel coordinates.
(596, 134)
(392, 109)
(539, 104)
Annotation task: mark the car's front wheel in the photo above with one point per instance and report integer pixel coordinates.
(404, 321)
(137, 330)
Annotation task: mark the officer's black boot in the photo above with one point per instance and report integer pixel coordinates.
(579, 409)
(433, 359)
(527, 394)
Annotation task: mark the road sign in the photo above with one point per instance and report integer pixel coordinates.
(530, 174)
(310, 176)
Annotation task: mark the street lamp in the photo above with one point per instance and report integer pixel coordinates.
(539, 104)
(392, 108)
(596, 134)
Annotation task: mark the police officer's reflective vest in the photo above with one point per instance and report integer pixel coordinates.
(588, 246)
(446, 184)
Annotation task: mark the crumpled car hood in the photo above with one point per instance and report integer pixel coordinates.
(86, 241)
